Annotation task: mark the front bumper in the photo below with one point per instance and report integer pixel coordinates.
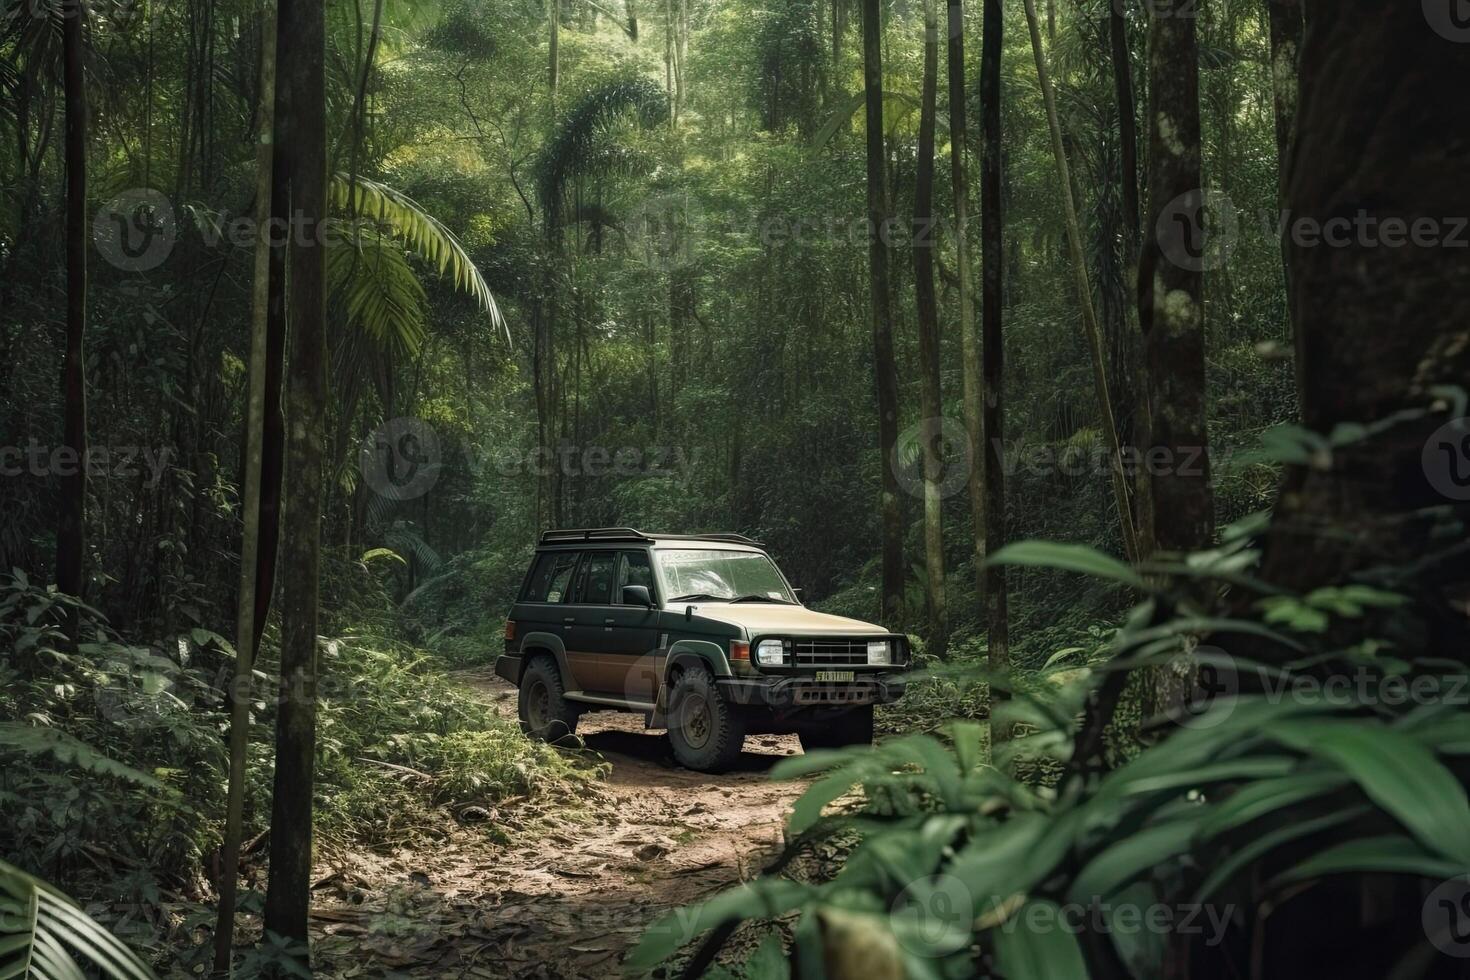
(807, 692)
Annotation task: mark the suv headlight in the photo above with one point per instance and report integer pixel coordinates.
(880, 652)
(768, 653)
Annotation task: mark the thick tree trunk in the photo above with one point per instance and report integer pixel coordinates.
(71, 531)
(969, 346)
(1171, 288)
(1127, 117)
(1084, 294)
(992, 261)
(1382, 128)
(239, 693)
(884, 365)
(301, 110)
(931, 429)
(1286, 43)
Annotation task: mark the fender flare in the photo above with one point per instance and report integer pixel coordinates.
(538, 642)
(686, 653)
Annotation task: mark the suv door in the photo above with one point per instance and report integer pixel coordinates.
(589, 633)
(635, 629)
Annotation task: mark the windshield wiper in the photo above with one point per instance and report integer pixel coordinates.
(762, 598)
(698, 597)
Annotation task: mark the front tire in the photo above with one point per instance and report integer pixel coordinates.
(544, 711)
(705, 730)
(853, 727)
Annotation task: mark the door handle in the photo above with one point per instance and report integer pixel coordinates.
(569, 620)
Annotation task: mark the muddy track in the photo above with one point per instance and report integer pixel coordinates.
(563, 902)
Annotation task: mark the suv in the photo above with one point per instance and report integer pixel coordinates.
(699, 633)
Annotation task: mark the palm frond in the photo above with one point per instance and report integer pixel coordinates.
(575, 150)
(378, 291)
(40, 928)
(420, 231)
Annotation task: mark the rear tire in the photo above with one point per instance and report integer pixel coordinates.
(544, 711)
(853, 727)
(705, 730)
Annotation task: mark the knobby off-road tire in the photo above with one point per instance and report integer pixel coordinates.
(705, 730)
(853, 727)
(544, 711)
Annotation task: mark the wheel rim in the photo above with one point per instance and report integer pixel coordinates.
(695, 723)
(538, 705)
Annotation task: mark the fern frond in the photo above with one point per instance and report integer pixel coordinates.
(420, 231)
(40, 927)
(378, 291)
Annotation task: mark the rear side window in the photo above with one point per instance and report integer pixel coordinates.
(633, 570)
(597, 579)
(551, 577)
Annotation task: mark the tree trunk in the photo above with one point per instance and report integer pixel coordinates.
(992, 262)
(969, 348)
(931, 429)
(1127, 118)
(239, 693)
(1381, 126)
(1084, 294)
(553, 54)
(71, 531)
(884, 365)
(1286, 43)
(1171, 289)
(301, 112)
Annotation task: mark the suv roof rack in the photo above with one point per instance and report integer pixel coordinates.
(565, 535)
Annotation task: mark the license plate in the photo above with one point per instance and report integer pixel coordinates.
(834, 675)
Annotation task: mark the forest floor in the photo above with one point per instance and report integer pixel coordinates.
(555, 895)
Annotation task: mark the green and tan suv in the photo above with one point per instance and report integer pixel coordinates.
(699, 633)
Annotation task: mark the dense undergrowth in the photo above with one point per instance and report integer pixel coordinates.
(112, 756)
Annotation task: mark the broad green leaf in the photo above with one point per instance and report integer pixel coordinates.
(763, 898)
(1051, 954)
(1068, 557)
(1256, 800)
(1388, 853)
(1131, 856)
(40, 941)
(1257, 847)
(1396, 772)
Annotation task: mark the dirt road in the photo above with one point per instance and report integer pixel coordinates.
(563, 903)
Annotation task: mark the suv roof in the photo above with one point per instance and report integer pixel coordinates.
(583, 535)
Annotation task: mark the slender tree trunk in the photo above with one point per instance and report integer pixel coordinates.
(992, 262)
(885, 367)
(632, 9)
(1084, 294)
(301, 112)
(925, 241)
(1127, 117)
(969, 347)
(1286, 42)
(553, 56)
(71, 532)
(1171, 288)
(245, 635)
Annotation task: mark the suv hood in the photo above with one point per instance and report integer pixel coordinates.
(760, 617)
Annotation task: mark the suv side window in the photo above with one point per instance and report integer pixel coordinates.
(594, 586)
(552, 577)
(634, 569)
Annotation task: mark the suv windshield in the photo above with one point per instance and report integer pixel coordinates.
(721, 575)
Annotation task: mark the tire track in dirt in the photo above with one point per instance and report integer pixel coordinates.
(567, 902)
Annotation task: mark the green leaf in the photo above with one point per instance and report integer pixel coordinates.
(70, 751)
(35, 943)
(1396, 772)
(1023, 954)
(1067, 557)
(1256, 800)
(763, 898)
(1256, 847)
(1388, 853)
(1131, 856)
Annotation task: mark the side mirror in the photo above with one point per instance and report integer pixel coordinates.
(637, 595)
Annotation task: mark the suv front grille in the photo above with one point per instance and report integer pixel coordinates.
(830, 652)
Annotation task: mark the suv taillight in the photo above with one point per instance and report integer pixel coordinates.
(510, 629)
